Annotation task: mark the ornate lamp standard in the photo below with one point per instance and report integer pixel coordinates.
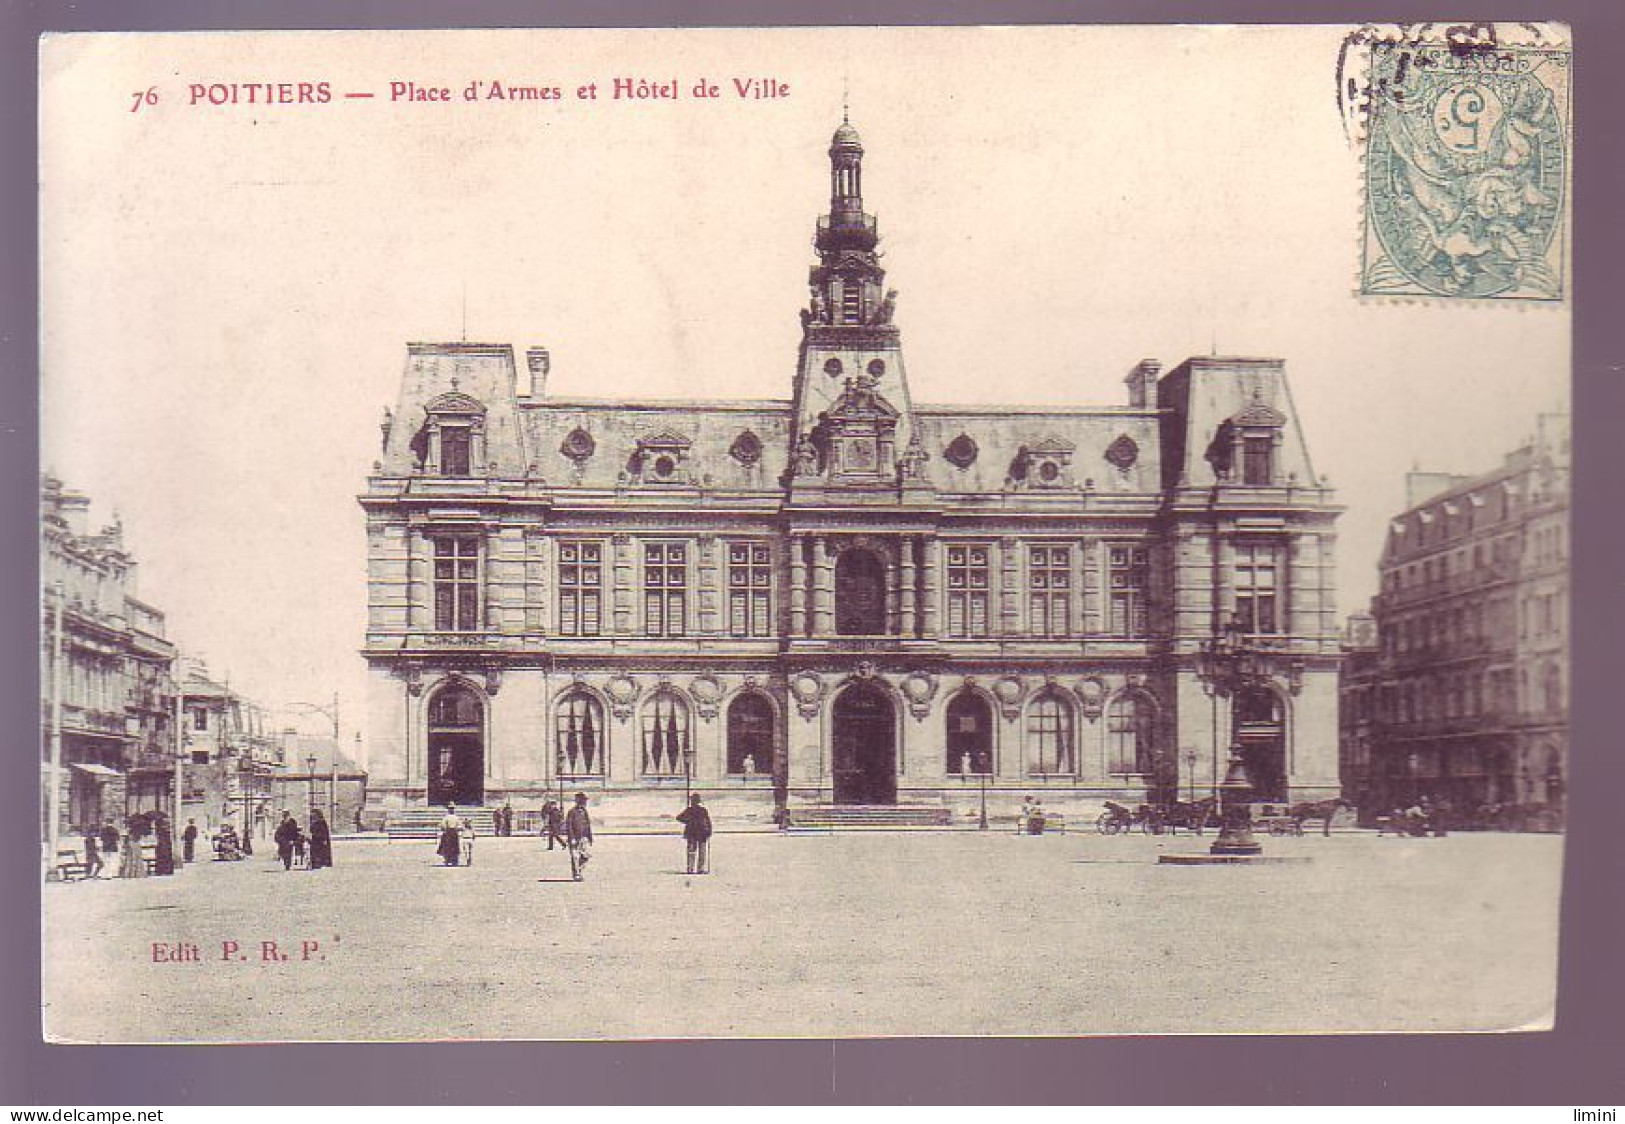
(688, 774)
(1226, 664)
(310, 764)
(1190, 771)
(981, 823)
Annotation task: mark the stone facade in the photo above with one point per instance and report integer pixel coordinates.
(845, 596)
(105, 673)
(1464, 696)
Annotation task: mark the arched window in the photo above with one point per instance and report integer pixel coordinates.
(970, 735)
(1554, 689)
(750, 735)
(1130, 735)
(581, 736)
(665, 736)
(860, 594)
(1049, 736)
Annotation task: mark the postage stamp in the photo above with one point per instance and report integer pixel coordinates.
(1466, 169)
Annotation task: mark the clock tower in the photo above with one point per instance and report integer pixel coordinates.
(852, 425)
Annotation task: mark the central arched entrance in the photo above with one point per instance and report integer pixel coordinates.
(456, 747)
(865, 747)
(1261, 735)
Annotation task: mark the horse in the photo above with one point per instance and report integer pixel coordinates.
(1322, 810)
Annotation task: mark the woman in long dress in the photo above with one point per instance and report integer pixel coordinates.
(451, 847)
(131, 863)
(321, 841)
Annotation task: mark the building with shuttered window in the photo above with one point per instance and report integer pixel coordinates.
(846, 596)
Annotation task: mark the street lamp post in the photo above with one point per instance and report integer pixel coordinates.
(331, 711)
(1226, 665)
(1190, 771)
(688, 774)
(310, 764)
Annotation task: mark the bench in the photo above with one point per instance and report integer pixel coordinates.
(71, 865)
(1054, 823)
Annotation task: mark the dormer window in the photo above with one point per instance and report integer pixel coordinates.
(1048, 464)
(456, 436)
(1250, 440)
(662, 459)
(1257, 455)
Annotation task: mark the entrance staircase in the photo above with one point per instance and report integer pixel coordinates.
(424, 823)
(868, 817)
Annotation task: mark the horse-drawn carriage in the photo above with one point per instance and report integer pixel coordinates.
(1154, 819)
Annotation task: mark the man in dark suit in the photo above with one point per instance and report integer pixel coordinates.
(696, 823)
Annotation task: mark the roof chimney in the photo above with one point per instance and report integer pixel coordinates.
(539, 362)
(1142, 384)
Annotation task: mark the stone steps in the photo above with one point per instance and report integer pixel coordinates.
(842, 817)
(424, 823)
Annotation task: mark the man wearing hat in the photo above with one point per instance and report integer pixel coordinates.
(578, 836)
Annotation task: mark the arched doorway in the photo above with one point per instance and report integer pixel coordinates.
(970, 734)
(1260, 726)
(865, 747)
(860, 594)
(750, 735)
(456, 746)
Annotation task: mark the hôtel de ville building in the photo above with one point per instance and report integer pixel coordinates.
(849, 596)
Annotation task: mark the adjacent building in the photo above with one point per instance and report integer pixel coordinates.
(229, 756)
(847, 596)
(107, 695)
(1464, 696)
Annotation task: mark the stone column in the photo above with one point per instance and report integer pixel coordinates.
(895, 593)
(1009, 587)
(909, 626)
(708, 595)
(798, 585)
(419, 564)
(823, 588)
(931, 610)
(622, 564)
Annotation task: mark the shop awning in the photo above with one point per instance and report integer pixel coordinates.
(95, 770)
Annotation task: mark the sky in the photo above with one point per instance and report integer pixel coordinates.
(228, 289)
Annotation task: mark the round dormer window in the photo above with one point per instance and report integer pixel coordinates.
(1049, 472)
(664, 467)
(877, 367)
(833, 368)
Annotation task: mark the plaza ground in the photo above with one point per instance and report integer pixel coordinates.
(861, 933)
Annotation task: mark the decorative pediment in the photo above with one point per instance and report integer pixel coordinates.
(861, 402)
(454, 402)
(1052, 446)
(1258, 415)
(665, 439)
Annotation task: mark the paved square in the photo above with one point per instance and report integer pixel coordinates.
(820, 935)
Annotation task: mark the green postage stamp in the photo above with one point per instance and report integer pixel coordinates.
(1467, 171)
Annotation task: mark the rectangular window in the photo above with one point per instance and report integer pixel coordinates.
(1127, 567)
(581, 584)
(1258, 595)
(750, 589)
(200, 719)
(665, 588)
(968, 583)
(1049, 590)
(1255, 461)
(456, 584)
(454, 451)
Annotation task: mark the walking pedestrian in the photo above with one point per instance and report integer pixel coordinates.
(466, 834)
(163, 845)
(287, 833)
(553, 824)
(93, 854)
(450, 849)
(321, 841)
(189, 841)
(696, 823)
(578, 836)
(132, 863)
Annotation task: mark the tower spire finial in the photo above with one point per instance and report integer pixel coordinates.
(846, 100)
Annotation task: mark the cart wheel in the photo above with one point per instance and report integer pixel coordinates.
(1104, 823)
